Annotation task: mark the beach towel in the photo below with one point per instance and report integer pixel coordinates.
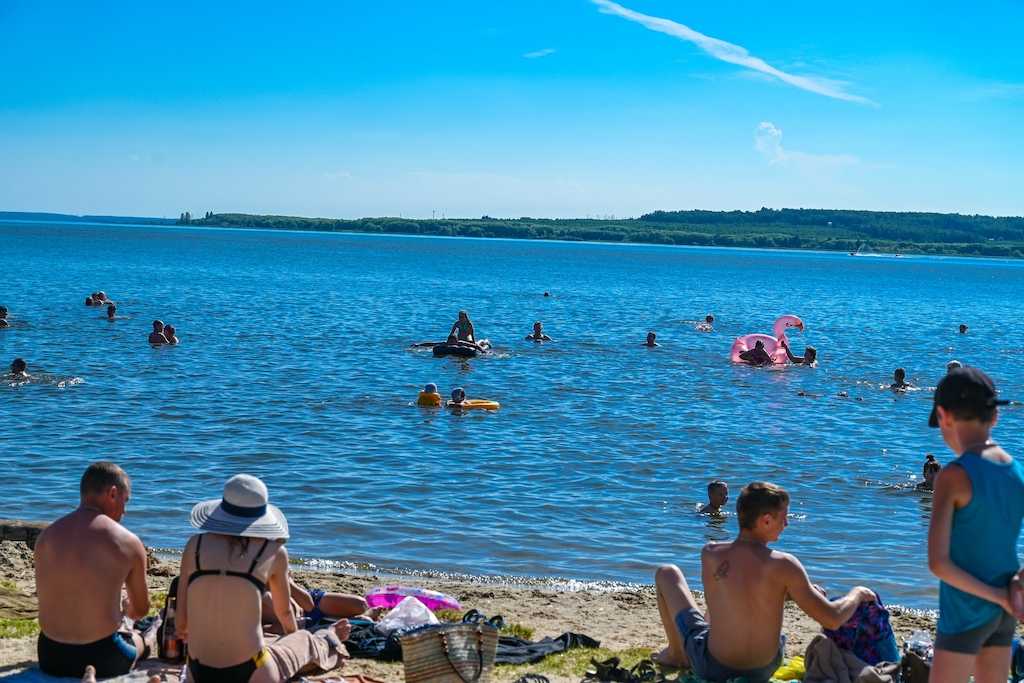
(826, 662)
(868, 634)
(513, 650)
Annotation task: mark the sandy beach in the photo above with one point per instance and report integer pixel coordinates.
(624, 620)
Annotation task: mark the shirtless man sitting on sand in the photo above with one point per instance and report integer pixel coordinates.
(746, 585)
(83, 561)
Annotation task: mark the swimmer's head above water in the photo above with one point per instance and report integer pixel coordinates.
(963, 328)
(709, 318)
(430, 388)
(158, 325)
(111, 311)
(899, 376)
(810, 355)
(652, 339)
(19, 367)
(458, 395)
(3, 311)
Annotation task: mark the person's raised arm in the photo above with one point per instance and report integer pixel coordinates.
(279, 592)
(829, 613)
(789, 354)
(135, 582)
(953, 489)
(188, 565)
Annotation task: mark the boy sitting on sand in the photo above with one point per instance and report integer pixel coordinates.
(746, 584)
(718, 494)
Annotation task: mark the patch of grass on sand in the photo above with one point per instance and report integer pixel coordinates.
(575, 662)
(156, 601)
(518, 630)
(18, 628)
(455, 616)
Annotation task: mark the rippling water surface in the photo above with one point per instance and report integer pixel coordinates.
(294, 366)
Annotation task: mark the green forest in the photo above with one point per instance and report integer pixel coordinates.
(823, 229)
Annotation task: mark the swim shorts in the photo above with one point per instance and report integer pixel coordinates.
(694, 630)
(112, 656)
(995, 633)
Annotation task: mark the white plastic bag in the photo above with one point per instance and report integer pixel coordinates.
(406, 614)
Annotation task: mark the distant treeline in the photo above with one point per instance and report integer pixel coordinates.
(70, 218)
(836, 230)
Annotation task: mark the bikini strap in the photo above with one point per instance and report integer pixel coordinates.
(199, 544)
(257, 558)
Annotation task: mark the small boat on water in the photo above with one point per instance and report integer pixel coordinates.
(860, 252)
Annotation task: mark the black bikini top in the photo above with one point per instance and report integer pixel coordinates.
(248, 576)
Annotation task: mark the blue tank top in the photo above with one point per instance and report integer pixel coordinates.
(983, 541)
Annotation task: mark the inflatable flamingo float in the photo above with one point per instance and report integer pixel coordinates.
(771, 344)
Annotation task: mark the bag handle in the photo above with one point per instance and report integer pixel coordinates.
(479, 656)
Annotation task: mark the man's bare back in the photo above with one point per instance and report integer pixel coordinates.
(82, 562)
(745, 590)
(746, 585)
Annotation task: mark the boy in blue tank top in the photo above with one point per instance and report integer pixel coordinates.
(972, 540)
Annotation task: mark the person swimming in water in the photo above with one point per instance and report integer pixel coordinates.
(900, 383)
(157, 335)
(707, 325)
(757, 356)
(169, 334)
(463, 328)
(929, 470)
(538, 333)
(458, 399)
(429, 398)
(718, 495)
(19, 369)
(651, 340)
(810, 356)
(3, 317)
(111, 312)
(963, 328)
(89, 301)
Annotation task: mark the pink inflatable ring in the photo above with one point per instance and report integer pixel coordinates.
(771, 344)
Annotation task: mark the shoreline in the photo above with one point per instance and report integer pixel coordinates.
(625, 619)
(908, 254)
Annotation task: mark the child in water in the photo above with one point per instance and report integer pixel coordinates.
(900, 383)
(458, 398)
(718, 495)
(429, 398)
(652, 340)
(707, 325)
(929, 470)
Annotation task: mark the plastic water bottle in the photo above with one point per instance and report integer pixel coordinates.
(920, 643)
(1017, 661)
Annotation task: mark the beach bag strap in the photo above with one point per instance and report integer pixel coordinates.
(479, 656)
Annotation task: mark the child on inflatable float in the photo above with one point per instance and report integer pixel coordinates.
(429, 398)
(459, 402)
(765, 349)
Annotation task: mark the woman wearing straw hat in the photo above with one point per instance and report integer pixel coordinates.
(225, 572)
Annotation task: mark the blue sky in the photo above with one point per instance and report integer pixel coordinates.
(520, 108)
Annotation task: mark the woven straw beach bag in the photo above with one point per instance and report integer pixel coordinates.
(450, 653)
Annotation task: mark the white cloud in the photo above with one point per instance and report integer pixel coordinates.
(733, 54)
(537, 54)
(768, 141)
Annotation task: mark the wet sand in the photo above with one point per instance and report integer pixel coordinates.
(623, 618)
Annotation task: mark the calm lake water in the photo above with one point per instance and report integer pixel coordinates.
(294, 366)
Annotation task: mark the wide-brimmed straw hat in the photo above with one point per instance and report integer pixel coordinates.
(243, 511)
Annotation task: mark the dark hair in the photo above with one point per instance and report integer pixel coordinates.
(900, 371)
(758, 498)
(100, 476)
(716, 484)
(18, 365)
(930, 466)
